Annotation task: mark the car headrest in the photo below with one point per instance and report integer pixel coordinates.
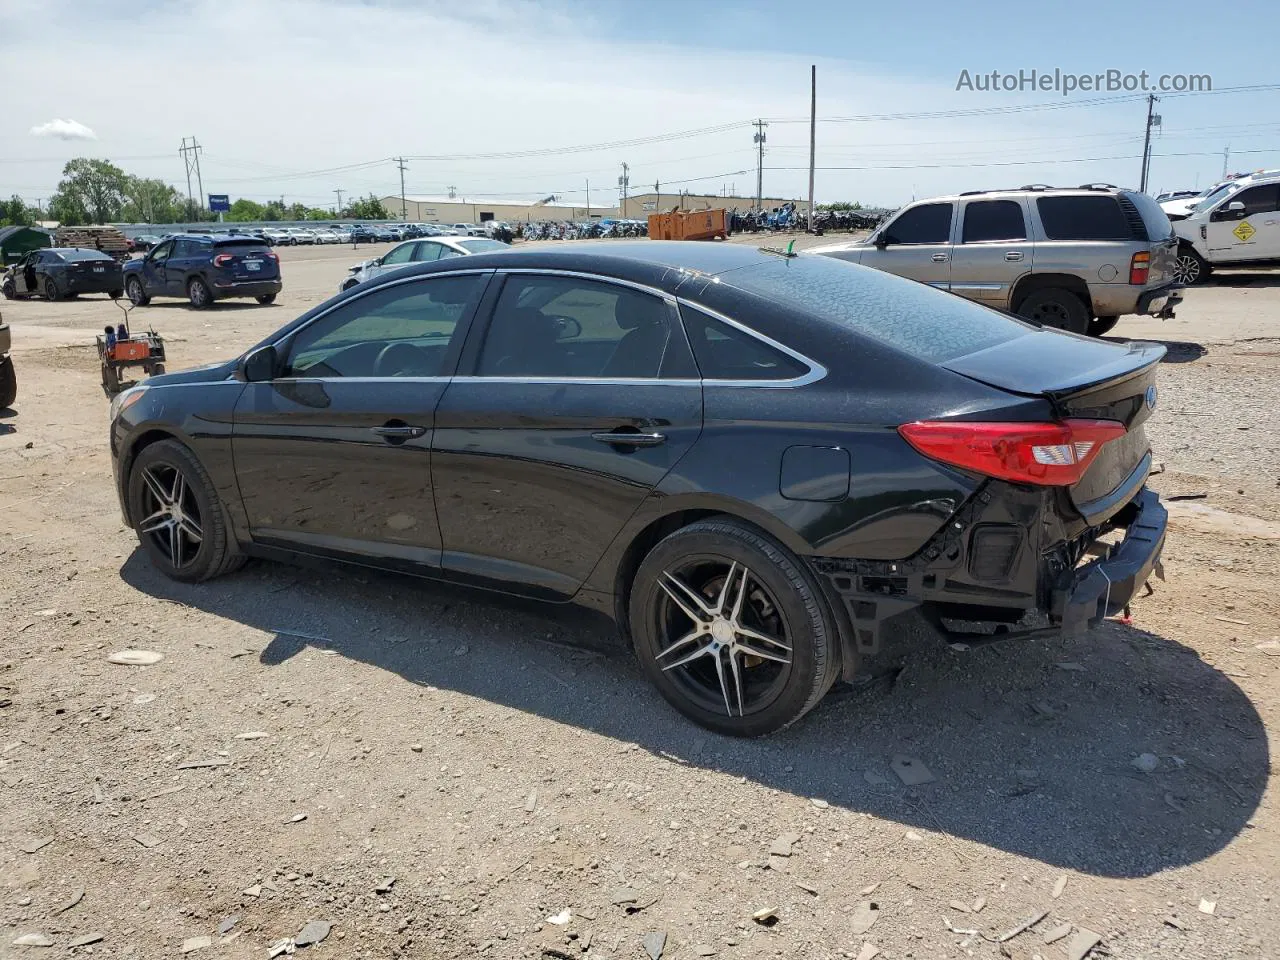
(636, 310)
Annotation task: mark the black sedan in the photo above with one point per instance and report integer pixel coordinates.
(63, 272)
(754, 462)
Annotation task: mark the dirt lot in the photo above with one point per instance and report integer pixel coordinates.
(437, 773)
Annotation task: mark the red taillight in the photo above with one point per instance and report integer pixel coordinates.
(1048, 454)
(222, 259)
(1139, 267)
(272, 256)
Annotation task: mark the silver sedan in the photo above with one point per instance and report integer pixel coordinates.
(419, 251)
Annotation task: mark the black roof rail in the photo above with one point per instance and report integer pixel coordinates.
(973, 193)
(1097, 186)
(1037, 186)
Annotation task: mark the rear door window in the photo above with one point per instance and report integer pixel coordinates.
(988, 220)
(1258, 199)
(1083, 218)
(927, 223)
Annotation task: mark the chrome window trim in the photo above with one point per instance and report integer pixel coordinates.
(581, 275)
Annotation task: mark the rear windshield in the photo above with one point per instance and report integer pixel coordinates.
(482, 246)
(72, 256)
(1083, 218)
(240, 244)
(912, 317)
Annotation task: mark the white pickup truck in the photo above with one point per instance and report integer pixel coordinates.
(1236, 225)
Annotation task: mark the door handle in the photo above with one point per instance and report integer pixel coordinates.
(401, 432)
(630, 439)
(1013, 255)
(939, 258)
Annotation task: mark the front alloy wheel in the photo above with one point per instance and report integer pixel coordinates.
(198, 293)
(732, 628)
(173, 520)
(1190, 268)
(137, 295)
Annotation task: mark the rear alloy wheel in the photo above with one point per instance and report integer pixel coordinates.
(177, 515)
(198, 293)
(137, 295)
(266, 298)
(732, 629)
(1057, 308)
(8, 290)
(49, 287)
(1100, 325)
(1190, 268)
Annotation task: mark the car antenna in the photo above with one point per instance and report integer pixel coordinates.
(789, 253)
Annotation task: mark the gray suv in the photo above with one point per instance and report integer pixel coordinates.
(1075, 259)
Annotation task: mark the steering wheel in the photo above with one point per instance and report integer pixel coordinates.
(397, 359)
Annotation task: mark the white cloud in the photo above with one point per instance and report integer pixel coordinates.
(64, 130)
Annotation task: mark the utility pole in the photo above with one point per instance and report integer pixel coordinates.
(453, 192)
(588, 198)
(759, 142)
(339, 192)
(404, 203)
(182, 152)
(813, 133)
(1153, 119)
(624, 182)
(1226, 155)
(657, 203)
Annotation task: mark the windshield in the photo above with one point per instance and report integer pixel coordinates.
(71, 256)
(1218, 193)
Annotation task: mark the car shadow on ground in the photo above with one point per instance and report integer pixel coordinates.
(1244, 278)
(1032, 744)
(1176, 351)
(179, 304)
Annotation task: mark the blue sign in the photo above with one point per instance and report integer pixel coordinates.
(219, 202)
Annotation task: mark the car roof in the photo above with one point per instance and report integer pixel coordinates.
(1037, 190)
(663, 264)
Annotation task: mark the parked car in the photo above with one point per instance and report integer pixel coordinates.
(1237, 225)
(303, 235)
(204, 269)
(277, 237)
(8, 378)
(142, 242)
(58, 272)
(363, 233)
(753, 462)
(1074, 259)
(418, 251)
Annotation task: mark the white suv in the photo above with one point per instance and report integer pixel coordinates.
(1238, 224)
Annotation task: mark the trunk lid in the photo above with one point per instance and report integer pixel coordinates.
(1086, 379)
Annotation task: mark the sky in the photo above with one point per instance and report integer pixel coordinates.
(523, 99)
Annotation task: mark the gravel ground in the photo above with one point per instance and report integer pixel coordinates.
(439, 773)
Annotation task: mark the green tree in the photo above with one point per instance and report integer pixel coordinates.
(151, 201)
(366, 208)
(243, 211)
(15, 213)
(91, 191)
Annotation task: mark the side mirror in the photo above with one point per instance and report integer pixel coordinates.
(567, 328)
(259, 365)
(1236, 206)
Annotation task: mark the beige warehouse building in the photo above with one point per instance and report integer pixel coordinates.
(477, 210)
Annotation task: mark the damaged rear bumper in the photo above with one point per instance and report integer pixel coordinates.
(1011, 562)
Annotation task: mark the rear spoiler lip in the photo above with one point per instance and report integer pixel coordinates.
(1126, 362)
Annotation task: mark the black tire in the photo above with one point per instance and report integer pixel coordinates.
(110, 379)
(266, 298)
(1057, 308)
(215, 552)
(348, 284)
(136, 292)
(780, 598)
(1190, 268)
(49, 287)
(8, 290)
(156, 370)
(8, 383)
(198, 293)
(115, 294)
(1100, 325)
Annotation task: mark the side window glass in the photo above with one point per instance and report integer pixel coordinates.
(1258, 199)
(927, 223)
(988, 220)
(162, 252)
(447, 252)
(724, 352)
(546, 326)
(397, 331)
(1083, 218)
(426, 252)
(400, 254)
